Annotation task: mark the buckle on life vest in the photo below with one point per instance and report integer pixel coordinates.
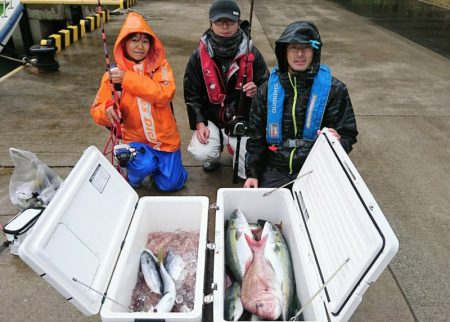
(293, 143)
(273, 147)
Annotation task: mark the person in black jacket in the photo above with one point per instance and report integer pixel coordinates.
(300, 98)
(213, 85)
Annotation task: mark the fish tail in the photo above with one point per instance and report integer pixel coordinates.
(256, 245)
(160, 256)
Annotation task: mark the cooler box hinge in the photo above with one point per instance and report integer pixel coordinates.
(210, 297)
(207, 299)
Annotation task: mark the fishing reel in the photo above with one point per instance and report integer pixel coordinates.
(237, 127)
(124, 153)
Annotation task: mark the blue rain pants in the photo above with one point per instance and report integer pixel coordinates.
(166, 168)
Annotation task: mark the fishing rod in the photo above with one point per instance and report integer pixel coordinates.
(238, 126)
(100, 293)
(115, 130)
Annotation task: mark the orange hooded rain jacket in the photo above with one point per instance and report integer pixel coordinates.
(147, 90)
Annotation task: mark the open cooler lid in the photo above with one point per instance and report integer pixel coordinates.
(343, 221)
(80, 233)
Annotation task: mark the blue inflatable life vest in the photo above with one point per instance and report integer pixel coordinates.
(314, 111)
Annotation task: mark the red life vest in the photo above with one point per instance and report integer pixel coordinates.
(215, 85)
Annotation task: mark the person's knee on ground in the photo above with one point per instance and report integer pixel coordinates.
(168, 184)
(208, 153)
(171, 174)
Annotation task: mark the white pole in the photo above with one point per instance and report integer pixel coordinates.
(287, 184)
(319, 290)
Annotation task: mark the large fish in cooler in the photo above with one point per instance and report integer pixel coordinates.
(261, 292)
(237, 251)
(277, 252)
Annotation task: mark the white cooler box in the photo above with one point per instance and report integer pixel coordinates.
(330, 217)
(95, 227)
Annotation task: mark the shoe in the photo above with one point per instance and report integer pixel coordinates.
(210, 166)
(146, 180)
(150, 183)
(135, 185)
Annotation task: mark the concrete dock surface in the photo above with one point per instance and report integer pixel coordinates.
(401, 95)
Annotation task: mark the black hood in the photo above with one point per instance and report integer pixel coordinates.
(299, 32)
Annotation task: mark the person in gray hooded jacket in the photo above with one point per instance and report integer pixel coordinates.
(300, 98)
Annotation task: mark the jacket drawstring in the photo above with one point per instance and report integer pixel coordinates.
(294, 85)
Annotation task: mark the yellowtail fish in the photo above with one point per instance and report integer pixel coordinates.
(238, 254)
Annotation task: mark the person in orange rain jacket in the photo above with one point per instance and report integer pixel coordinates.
(147, 87)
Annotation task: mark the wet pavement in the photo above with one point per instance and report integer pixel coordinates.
(423, 23)
(400, 94)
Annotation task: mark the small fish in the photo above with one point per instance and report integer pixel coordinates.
(233, 303)
(167, 302)
(174, 264)
(150, 270)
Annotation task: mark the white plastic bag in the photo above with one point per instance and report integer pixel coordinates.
(33, 183)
